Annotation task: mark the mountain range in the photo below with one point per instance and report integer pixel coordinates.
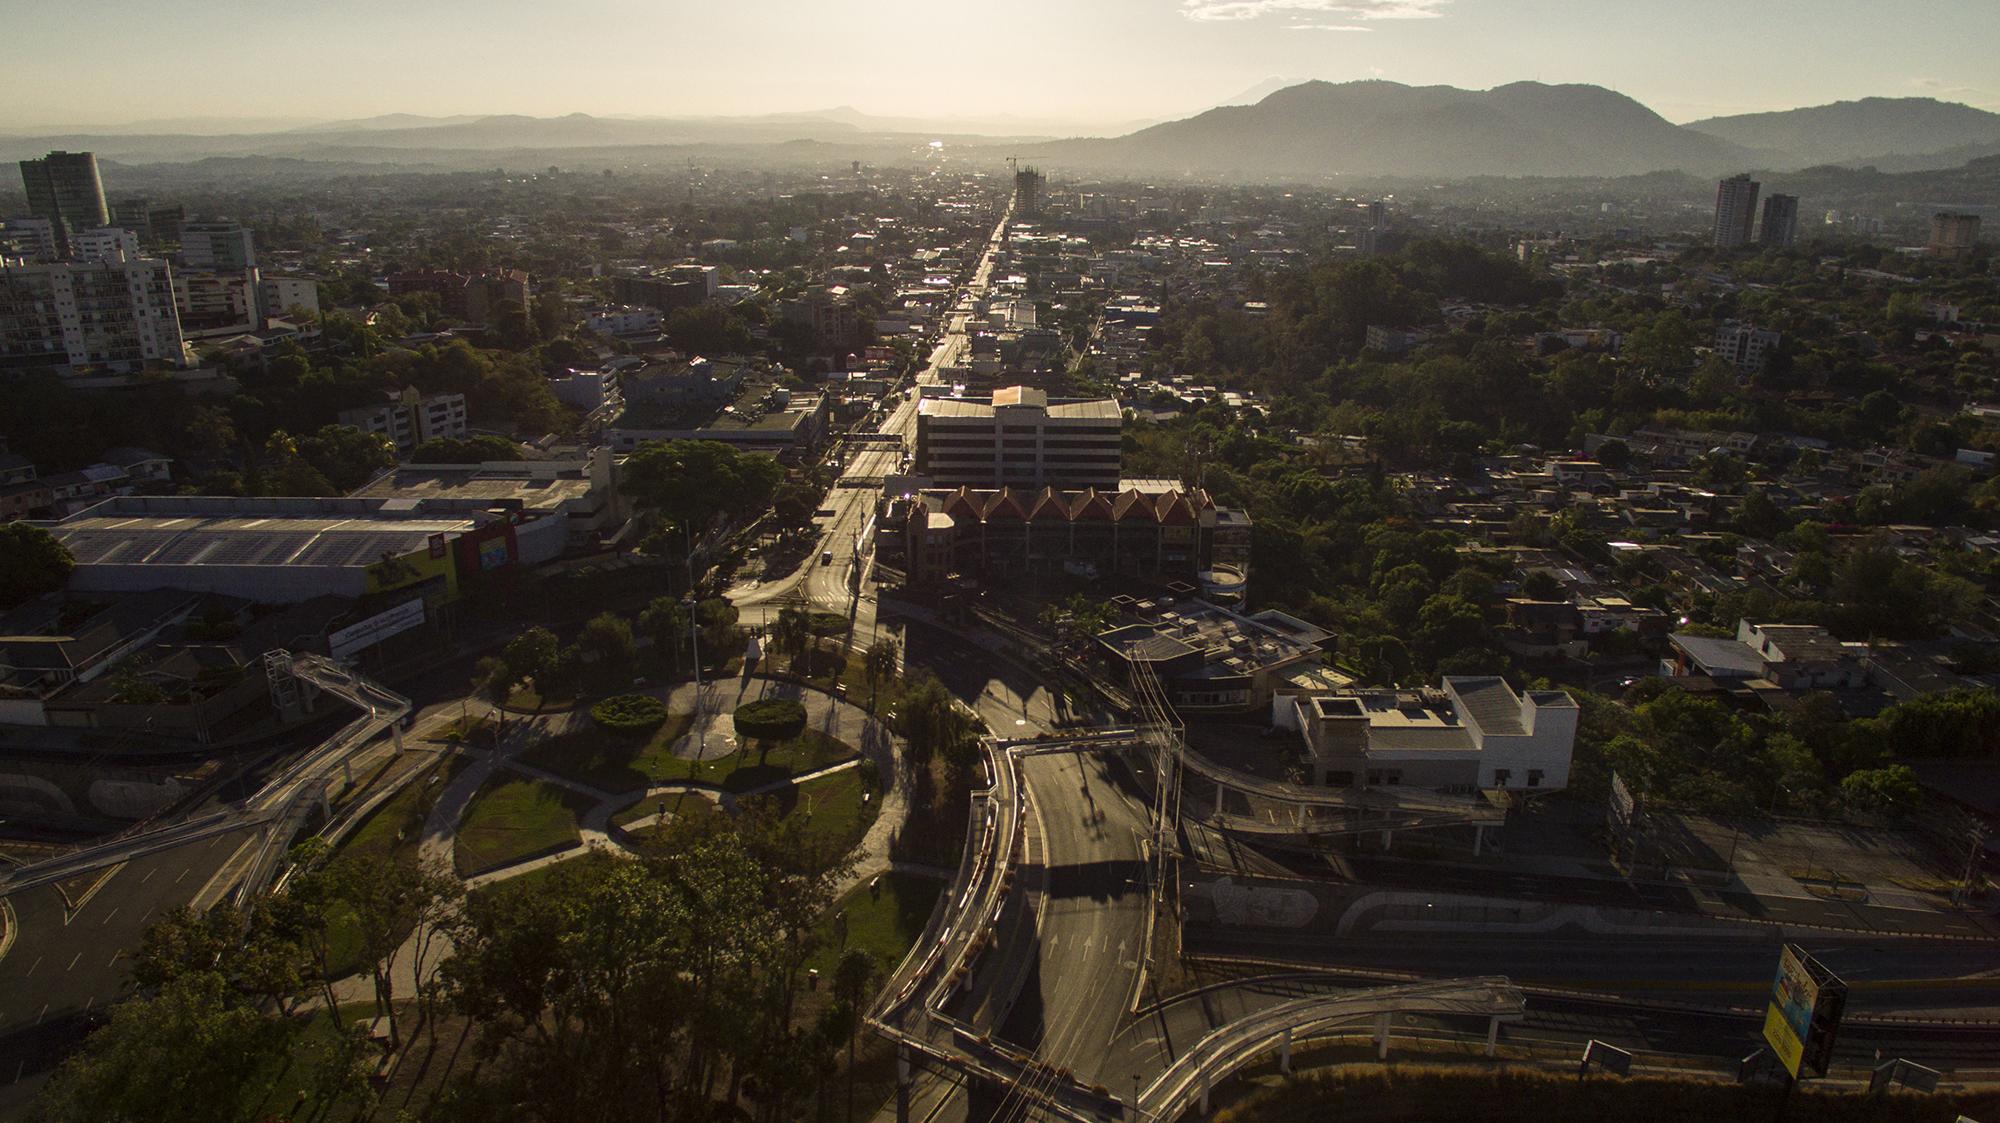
(1305, 130)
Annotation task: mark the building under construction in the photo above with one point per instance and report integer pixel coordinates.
(1027, 191)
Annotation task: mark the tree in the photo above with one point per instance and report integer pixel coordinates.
(1892, 789)
(530, 655)
(32, 562)
(930, 721)
(1615, 455)
(465, 450)
(770, 719)
(791, 632)
(879, 665)
(606, 642)
(493, 680)
(665, 622)
(852, 977)
(346, 456)
(716, 619)
(187, 1052)
(691, 482)
(1542, 585)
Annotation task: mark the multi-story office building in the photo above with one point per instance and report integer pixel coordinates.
(1952, 234)
(1020, 439)
(217, 304)
(677, 286)
(279, 295)
(217, 247)
(155, 224)
(409, 418)
(106, 243)
(1735, 209)
(64, 188)
(117, 315)
(1781, 221)
(30, 238)
(1746, 346)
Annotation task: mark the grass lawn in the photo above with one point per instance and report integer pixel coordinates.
(514, 819)
(839, 814)
(680, 805)
(393, 829)
(616, 764)
(884, 922)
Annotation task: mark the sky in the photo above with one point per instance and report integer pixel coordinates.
(1097, 63)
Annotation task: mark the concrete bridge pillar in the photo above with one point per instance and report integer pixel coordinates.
(1382, 1036)
(1204, 1091)
(1387, 838)
(1285, 1052)
(1492, 1035)
(1478, 838)
(902, 1084)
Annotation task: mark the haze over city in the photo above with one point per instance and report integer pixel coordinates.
(1090, 66)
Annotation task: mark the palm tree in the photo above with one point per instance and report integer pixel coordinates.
(879, 664)
(790, 631)
(852, 977)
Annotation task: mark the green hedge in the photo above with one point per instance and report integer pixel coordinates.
(827, 623)
(770, 719)
(629, 713)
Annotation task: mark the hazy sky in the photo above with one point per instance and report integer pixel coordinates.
(1099, 61)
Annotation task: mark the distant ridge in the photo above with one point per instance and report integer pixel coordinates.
(1387, 128)
(1847, 131)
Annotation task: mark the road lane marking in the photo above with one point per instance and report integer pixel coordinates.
(32, 966)
(115, 956)
(108, 916)
(177, 880)
(149, 875)
(72, 962)
(43, 1014)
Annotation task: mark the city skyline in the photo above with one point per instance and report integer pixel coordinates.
(624, 59)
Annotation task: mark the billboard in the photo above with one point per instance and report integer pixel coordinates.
(1806, 1002)
(375, 629)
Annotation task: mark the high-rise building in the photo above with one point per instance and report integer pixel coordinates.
(1952, 234)
(1781, 221)
(1028, 192)
(1735, 209)
(217, 247)
(113, 314)
(64, 187)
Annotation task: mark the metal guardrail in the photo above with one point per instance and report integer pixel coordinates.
(1186, 1081)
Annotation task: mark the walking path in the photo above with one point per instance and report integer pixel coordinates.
(709, 739)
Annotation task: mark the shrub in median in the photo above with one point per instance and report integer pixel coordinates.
(770, 719)
(629, 713)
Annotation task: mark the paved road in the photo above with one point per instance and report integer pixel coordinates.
(65, 965)
(1942, 980)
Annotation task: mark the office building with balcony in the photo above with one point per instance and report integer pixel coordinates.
(409, 419)
(114, 315)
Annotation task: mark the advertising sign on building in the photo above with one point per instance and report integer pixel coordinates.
(375, 629)
(1806, 1003)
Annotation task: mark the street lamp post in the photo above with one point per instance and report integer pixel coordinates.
(694, 641)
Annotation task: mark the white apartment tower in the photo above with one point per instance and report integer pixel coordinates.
(116, 313)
